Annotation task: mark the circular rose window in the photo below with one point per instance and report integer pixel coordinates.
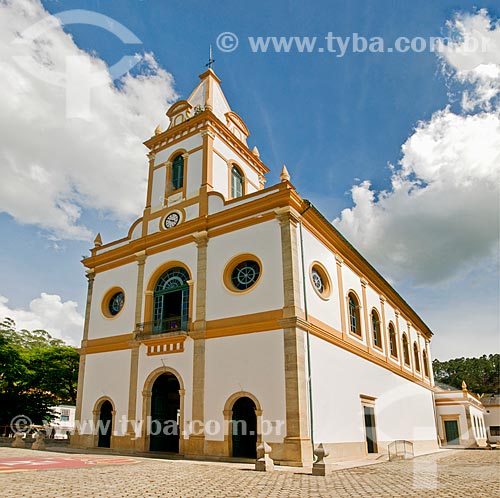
(116, 303)
(242, 272)
(245, 274)
(113, 302)
(320, 280)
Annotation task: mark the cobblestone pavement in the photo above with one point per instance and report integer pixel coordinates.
(445, 474)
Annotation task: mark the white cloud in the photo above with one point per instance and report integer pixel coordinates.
(47, 312)
(473, 56)
(55, 167)
(440, 217)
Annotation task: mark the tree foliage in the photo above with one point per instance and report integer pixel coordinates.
(482, 375)
(37, 372)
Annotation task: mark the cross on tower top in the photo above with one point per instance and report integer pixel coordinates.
(211, 61)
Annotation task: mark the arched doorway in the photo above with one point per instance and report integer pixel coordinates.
(105, 425)
(244, 428)
(165, 412)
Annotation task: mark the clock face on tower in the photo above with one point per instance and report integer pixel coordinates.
(171, 220)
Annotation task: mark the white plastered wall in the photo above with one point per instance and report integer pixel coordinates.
(262, 240)
(327, 311)
(229, 155)
(445, 411)
(158, 188)
(189, 143)
(106, 374)
(492, 419)
(194, 168)
(124, 277)
(220, 178)
(403, 409)
(252, 363)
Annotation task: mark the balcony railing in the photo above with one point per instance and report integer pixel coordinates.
(173, 324)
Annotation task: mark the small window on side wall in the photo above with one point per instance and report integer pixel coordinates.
(377, 335)
(416, 357)
(425, 361)
(236, 183)
(354, 315)
(406, 350)
(392, 341)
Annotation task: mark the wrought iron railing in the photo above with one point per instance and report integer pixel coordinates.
(173, 324)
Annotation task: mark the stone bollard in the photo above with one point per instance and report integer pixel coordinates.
(18, 441)
(39, 443)
(320, 467)
(264, 462)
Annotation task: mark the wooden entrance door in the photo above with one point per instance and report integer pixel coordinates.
(451, 430)
(370, 429)
(244, 429)
(105, 425)
(165, 406)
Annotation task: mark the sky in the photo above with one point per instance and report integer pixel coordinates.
(400, 150)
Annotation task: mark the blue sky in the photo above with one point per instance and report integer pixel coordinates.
(334, 121)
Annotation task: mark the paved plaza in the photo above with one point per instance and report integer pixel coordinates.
(28, 473)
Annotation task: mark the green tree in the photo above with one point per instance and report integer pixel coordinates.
(55, 369)
(37, 371)
(482, 375)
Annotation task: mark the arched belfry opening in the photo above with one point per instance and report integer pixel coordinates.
(244, 428)
(165, 414)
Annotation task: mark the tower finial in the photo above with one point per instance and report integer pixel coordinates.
(211, 61)
(285, 176)
(98, 240)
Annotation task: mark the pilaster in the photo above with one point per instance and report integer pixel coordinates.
(81, 368)
(297, 443)
(339, 261)
(207, 169)
(134, 350)
(196, 443)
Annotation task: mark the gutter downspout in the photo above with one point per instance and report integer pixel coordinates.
(308, 340)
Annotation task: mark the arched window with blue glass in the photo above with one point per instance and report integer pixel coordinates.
(178, 172)
(171, 301)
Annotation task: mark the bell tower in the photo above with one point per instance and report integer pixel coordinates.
(202, 155)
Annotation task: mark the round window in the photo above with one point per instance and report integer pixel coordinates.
(320, 280)
(245, 274)
(116, 303)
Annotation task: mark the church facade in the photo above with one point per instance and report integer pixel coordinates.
(233, 313)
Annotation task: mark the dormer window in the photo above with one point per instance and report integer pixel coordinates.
(178, 172)
(236, 183)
